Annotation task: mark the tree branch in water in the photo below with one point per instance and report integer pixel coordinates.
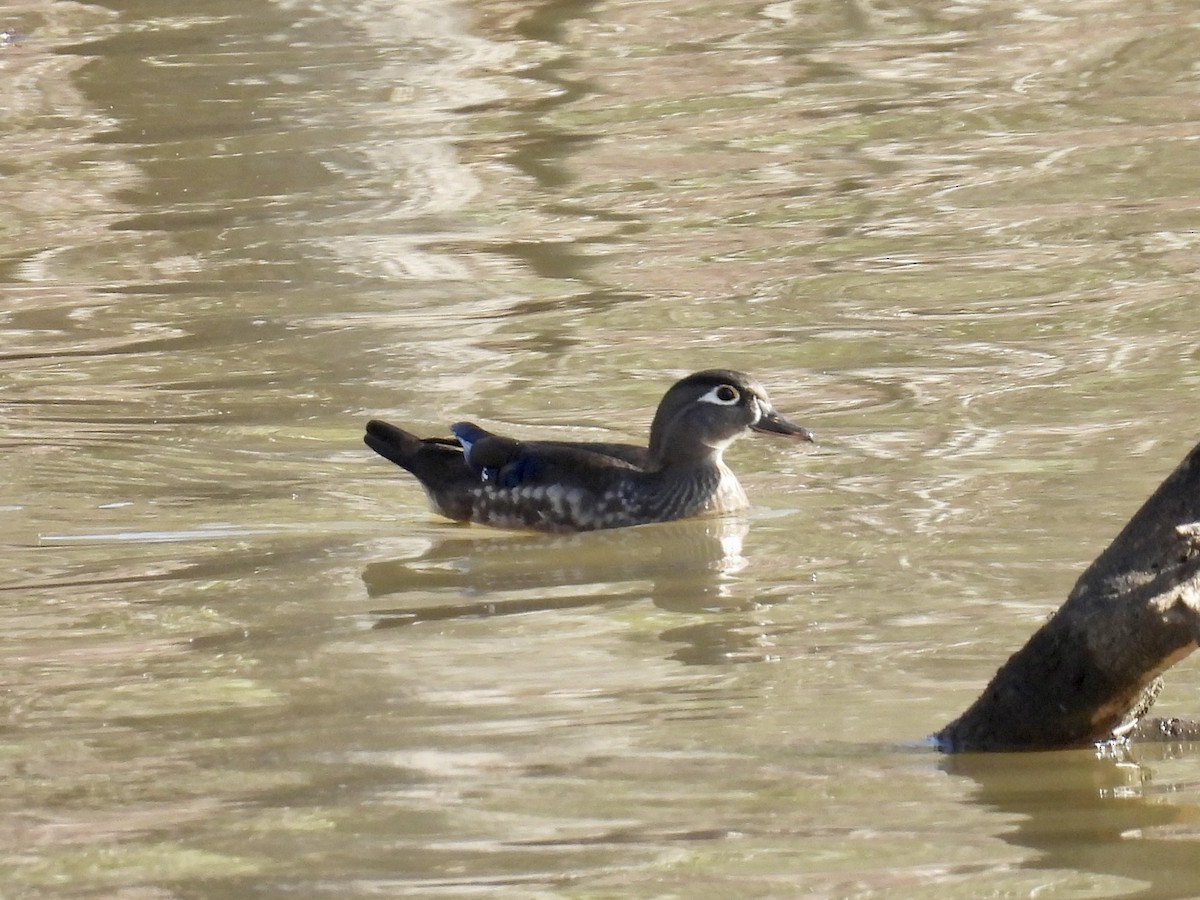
(1091, 672)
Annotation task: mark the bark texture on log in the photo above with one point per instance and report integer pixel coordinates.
(1091, 671)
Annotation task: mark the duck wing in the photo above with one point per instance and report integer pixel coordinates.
(509, 463)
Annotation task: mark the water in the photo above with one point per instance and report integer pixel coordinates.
(241, 658)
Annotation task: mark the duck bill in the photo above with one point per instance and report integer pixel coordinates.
(771, 422)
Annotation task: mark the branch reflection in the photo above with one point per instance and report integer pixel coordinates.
(1100, 811)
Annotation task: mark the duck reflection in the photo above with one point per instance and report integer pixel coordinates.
(688, 566)
(1096, 811)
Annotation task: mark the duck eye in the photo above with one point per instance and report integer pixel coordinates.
(724, 395)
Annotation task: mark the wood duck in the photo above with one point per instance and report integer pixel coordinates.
(568, 486)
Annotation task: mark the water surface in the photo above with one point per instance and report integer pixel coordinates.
(243, 660)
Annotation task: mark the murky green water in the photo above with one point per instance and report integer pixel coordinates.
(242, 660)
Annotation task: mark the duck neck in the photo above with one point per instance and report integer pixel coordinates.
(668, 454)
(670, 448)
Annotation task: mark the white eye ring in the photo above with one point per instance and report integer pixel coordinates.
(722, 395)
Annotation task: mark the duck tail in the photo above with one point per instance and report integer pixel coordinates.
(397, 445)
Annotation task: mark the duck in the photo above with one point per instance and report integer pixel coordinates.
(575, 486)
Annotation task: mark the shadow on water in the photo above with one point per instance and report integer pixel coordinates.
(1094, 811)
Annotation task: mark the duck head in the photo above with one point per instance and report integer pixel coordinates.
(702, 414)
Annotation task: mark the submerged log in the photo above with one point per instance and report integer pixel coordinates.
(1091, 672)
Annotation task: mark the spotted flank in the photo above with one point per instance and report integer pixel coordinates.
(559, 486)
